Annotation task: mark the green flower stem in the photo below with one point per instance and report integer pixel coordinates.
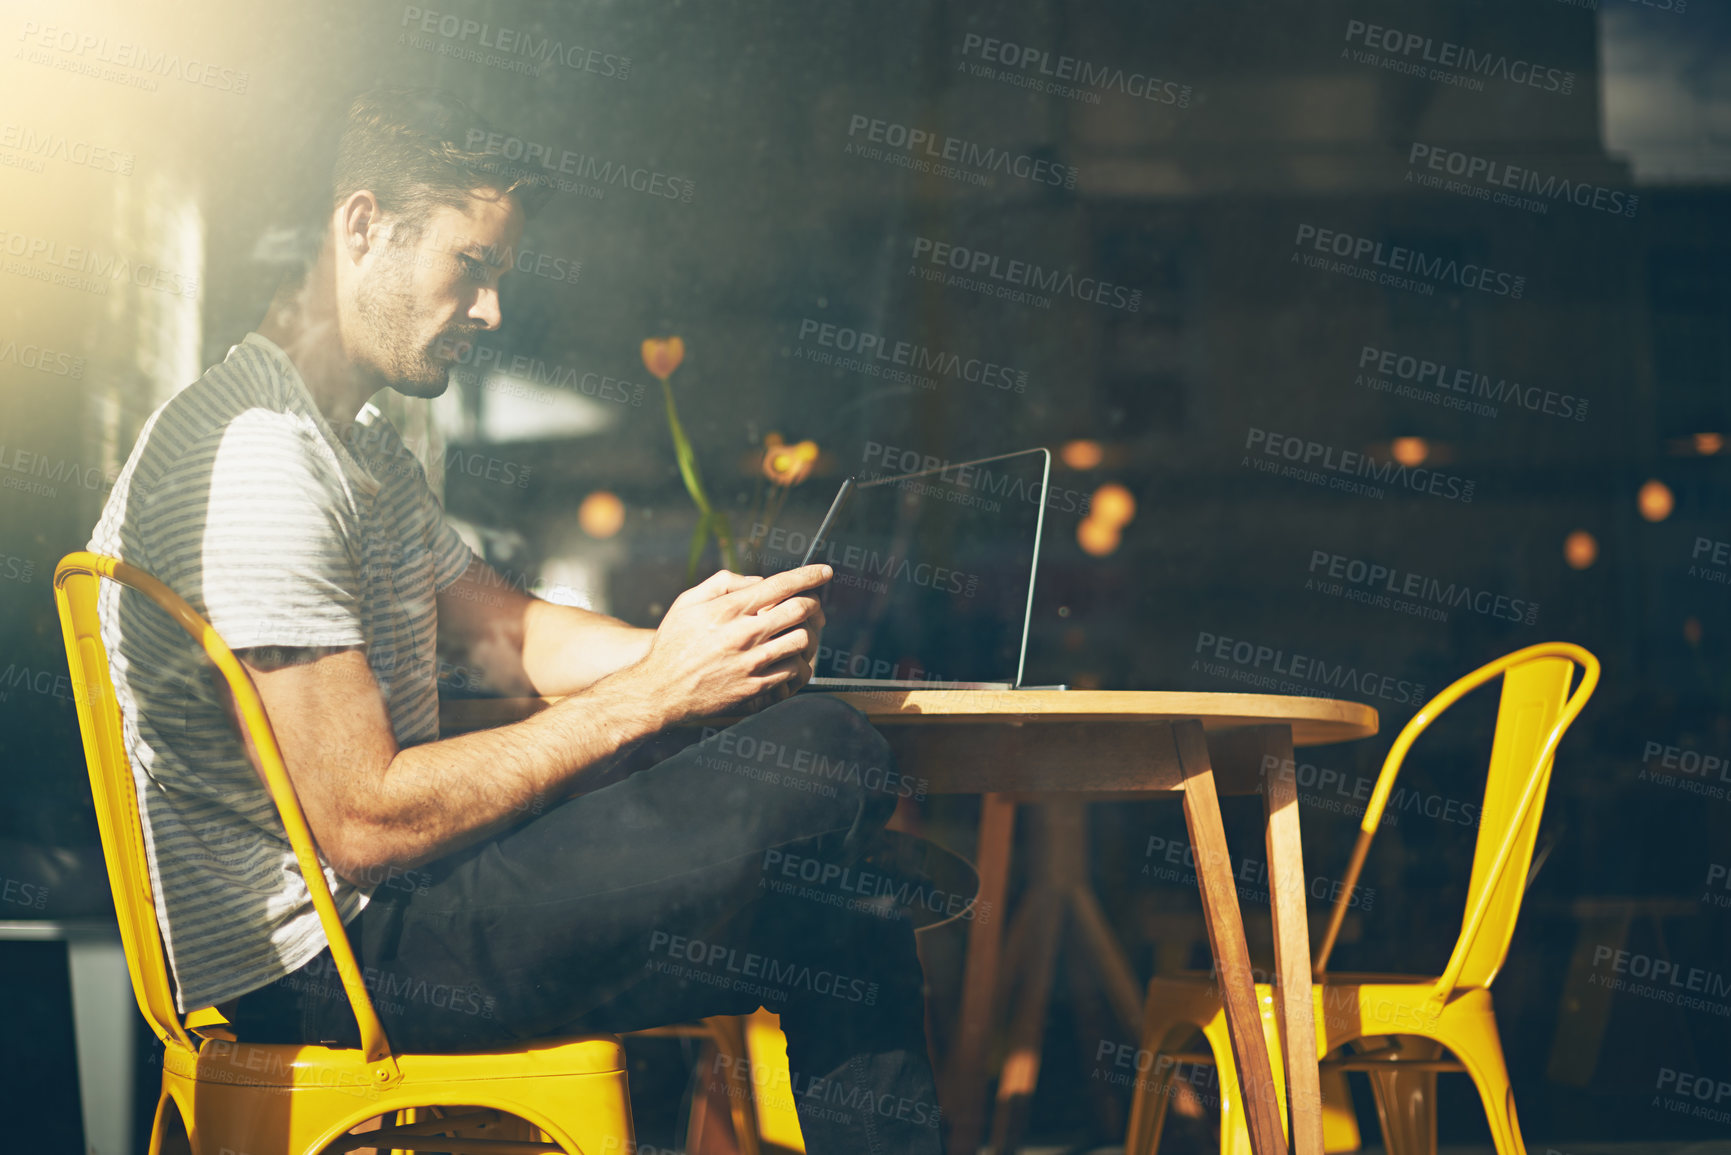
(724, 539)
(699, 535)
(709, 518)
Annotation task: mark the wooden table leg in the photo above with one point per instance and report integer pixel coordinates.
(966, 1078)
(1021, 1073)
(1226, 935)
(1286, 900)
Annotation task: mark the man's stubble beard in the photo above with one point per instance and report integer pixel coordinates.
(385, 306)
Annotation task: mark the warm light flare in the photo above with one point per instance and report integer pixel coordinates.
(1410, 451)
(1082, 454)
(787, 464)
(1112, 505)
(1655, 500)
(1580, 549)
(601, 515)
(1096, 537)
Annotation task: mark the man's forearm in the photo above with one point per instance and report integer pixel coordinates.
(437, 798)
(566, 649)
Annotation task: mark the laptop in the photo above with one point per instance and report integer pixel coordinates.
(934, 575)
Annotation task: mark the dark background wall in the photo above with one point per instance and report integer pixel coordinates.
(1269, 124)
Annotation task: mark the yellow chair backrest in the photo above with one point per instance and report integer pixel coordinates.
(77, 584)
(1535, 710)
(1532, 702)
(75, 593)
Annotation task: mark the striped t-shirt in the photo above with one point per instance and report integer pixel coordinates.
(241, 498)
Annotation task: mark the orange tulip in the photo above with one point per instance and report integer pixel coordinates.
(662, 355)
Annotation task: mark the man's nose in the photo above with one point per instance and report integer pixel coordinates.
(486, 308)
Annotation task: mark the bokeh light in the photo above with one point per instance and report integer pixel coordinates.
(1113, 505)
(601, 515)
(1655, 500)
(1096, 537)
(1580, 549)
(1082, 454)
(1410, 451)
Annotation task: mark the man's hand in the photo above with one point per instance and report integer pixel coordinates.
(733, 640)
(814, 626)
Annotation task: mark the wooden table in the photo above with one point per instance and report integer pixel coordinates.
(1075, 745)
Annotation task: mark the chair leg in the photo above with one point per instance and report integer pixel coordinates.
(168, 1129)
(729, 1034)
(1155, 1090)
(1406, 1101)
(1149, 1098)
(1339, 1122)
(1234, 1123)
(1490, 1074)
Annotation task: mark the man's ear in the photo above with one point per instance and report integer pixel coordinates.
(356, 224)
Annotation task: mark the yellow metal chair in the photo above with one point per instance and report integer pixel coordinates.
(727, 1035)
(297, 1100)
(1398, 1028)
(771, 1085)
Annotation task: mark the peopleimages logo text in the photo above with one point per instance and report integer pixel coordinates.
(58, 146)
(928, 145)
(89, 47)
(96, 265)
(1426, 376)
(516, 42)
(1306, 454)
(1371, 581)
(911, 355)
(1495, 174)
(15, 460)
(1422, 49)
(969, 478)
(1070, 70)
(1400, 259)
(557, 166)
(975, 263)
(1295, 672)
(45, 360)
(723, 960)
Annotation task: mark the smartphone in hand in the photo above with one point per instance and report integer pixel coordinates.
(823, 528)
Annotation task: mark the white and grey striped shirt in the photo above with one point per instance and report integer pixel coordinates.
(241, 498)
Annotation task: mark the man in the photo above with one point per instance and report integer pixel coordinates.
(488, 897)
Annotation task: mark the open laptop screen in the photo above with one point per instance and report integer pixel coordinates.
(933, 569)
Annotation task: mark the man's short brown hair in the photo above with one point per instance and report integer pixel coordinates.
(410, 148)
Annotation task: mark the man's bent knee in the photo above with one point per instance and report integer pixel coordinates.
(821, 747)
(821, 724)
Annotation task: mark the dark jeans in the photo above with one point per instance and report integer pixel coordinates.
(701, 885)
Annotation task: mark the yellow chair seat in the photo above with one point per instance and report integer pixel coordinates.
(260, 1098)
(293, 1066)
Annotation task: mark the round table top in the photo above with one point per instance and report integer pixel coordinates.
(1314, 721)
